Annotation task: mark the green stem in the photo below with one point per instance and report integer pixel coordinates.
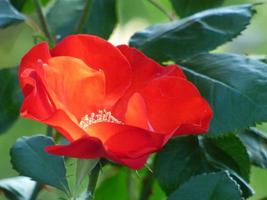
(84, 16)
(49, 131)
(147, 185)
(130, 185)
(161, 8)
(43, 21)
(92, 181)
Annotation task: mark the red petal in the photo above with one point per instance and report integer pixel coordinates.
(75, 86)
(99, 54)
(66, 125)
(145, 69)
(89, 148)
(201, 124)
(85, 148)
(136, 114)
(37, 103)
(174, 102)
(175, 70)
(34, 59)
(126, 141)
(134, 163)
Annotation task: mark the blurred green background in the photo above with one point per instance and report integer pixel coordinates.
(133, 16)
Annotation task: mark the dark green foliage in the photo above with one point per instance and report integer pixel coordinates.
(231, 152)
(188, 7)
(29, 159)
(215, 166)
(180, 159)
(201, 32)
(184, 157)
(256, 143)
(100, 21)
(18, 4)
(235, 87)
(219, 186)
(27, 6)
(10, 98)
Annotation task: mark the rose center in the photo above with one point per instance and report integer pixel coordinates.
(100, 116)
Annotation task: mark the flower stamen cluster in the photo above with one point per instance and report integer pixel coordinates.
(100, 116)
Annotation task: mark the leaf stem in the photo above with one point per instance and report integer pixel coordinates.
(147, 184)
(92, 181)
(34, 25)
(42, 19)
(130, 185)
(84, 16)
(49, 131)
(162, 9)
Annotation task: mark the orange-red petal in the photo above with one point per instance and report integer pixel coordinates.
(99, 54)
(126, 141)
(133, 163)
(75, 87)
(85, 148)
(123, 144)
(136, 113)
(173, 103)
(199, 125)
(38, 103)
(144, 69)
(90, 148)
(38, 54)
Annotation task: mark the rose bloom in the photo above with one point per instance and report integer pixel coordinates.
(107, 101)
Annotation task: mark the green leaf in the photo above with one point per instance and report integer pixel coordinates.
(10, 98)
(101, 19)
(182, 158)
(17, 188)
(83, 169)
(66, 22)
(18, 4)
(211, 186)
(235, 87)
(158, 193)
(247, 190)
(75, 189)
(8, 14)
(256, 143)
(230, 151)
(29, 159)
(188, 7)
(201, 32)
(113, 188)
(27, 6)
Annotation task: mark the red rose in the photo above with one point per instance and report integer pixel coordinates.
(111, 102)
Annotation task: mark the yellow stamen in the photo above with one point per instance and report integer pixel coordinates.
(100, 116)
